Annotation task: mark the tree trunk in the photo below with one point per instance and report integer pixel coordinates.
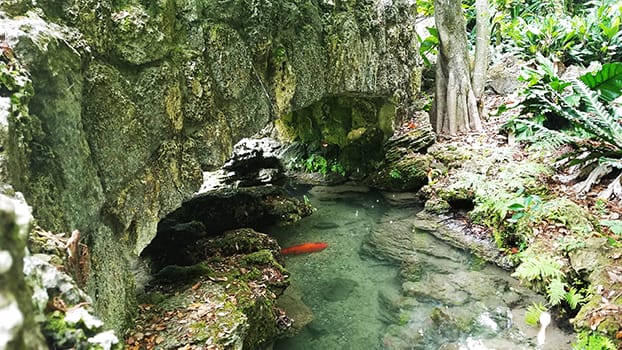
(455, 106)
(482, 28)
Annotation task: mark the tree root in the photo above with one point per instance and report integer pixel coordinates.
(582, 188)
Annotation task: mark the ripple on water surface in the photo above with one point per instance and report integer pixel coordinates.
(421, 294)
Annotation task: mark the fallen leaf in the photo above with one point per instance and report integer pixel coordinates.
(595, 321)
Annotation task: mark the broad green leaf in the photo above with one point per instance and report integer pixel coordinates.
(516, 207)
(607, 81)
(532, 316)
(614, 225)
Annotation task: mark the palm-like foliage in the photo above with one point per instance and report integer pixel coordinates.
(594, 118)
(594, 133)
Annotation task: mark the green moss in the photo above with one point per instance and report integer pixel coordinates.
(261, 317)
(183, 274)
(154, 298)
(262, 257)
(457, 194)
(437, 205)
(569, 214)
(239, 241)
(450, 155)
(386, 118)
(201, 332)
(63, 335)
(408, 173)
(350, 128)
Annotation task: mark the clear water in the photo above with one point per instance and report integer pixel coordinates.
(359, 302)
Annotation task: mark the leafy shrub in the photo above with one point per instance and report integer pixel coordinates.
(592, 34)
(545, 273)
(598, 30)
(593, 341)
(429, 45)
(511, 217)
(318, 163)
(557, 112)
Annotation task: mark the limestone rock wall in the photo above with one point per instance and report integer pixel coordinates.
(133, 100)
(19, 329)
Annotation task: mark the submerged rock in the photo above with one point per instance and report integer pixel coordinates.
(448, 297)
(402, 199)
(328, 193)
(300, 314)
(338, 289)
(453, 234)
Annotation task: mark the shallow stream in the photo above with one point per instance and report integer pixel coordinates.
(362, 298)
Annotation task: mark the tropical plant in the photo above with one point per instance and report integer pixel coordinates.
(542, 85)
(557, 112)
(587, 340)
(318, 163)
(607, 81)
(545, 273)
(591, 34)
(510, 216)
(533, 313)
(598, 31)
(428, 46)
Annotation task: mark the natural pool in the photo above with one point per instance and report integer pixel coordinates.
(437, 297)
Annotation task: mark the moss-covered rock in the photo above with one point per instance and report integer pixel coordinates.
(210, 214)
(19, 330)
(406, 165)
(132, 101)
(598, 261)
(228, 299)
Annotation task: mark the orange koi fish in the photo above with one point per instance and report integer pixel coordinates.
(304, 248)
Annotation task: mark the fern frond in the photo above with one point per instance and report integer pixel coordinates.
(535, 267)
(615, 163)
(588, 341)
(581, 120)
(573, 298)
(533, 312)
(556, 291)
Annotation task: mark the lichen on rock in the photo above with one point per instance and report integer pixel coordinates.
(126, 104)
(19, 329)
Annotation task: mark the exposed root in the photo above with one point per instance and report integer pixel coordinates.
(582, 188)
